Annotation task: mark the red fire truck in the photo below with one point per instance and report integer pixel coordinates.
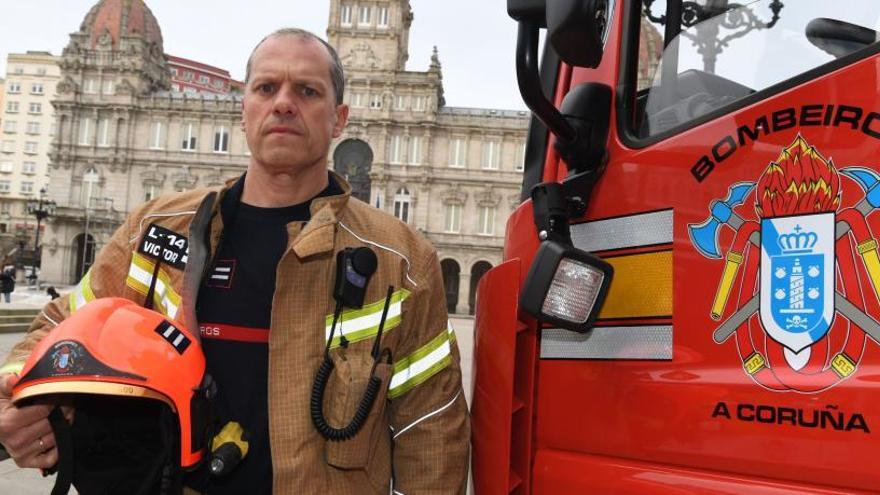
(690, 296)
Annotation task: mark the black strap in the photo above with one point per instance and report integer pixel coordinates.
(64, 444)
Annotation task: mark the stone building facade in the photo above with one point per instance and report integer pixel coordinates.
(26, 133)
(453, 173)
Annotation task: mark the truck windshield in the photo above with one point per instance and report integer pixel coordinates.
(720, 52)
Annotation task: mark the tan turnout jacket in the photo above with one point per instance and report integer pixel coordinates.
(418, 431)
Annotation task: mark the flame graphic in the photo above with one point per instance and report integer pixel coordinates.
(800, 181)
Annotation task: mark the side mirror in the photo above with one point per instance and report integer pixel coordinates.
(578, 29)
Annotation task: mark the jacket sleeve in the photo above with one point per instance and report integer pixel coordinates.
(105, 278)
(428, 412)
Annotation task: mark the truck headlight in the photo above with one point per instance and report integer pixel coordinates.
(566, 286)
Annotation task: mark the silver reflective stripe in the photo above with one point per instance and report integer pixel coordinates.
(638, 342)
(644, 229)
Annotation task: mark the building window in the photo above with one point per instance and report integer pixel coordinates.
(453, 218)
(382, 20)
(149, 192)
(41, 71)
(218, 84)
(9, 126)
(90, 86)
(30, 147)
(221, 140)
(345, 15)
(109, 87)
(376, 102)
(18, 70)
(5, 208)
(401, 204)
(415, 150)
(13, 87)
(394, 149)
(457, 152)
(486, 220)
(6, 167)
(357, 100)
(89, 190)
(491, 154)
(174, 71)
(400, 102)
(188, 75)
(35, 108)
(521, 159)
(11, 107)
(189, 137)
(364, 18)
(104, 132)
(37, 88)
(4, 186)
(85, 131)
(418, 103)
(27, 187)
(203, 79)
(33, 127)
(29, 168)
(157, 136)
(8, 146)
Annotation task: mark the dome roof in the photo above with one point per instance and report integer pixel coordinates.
(109, 20)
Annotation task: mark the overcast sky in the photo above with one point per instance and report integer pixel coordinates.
(475, 38)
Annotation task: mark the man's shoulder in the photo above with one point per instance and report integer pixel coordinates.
(372, 224)
(184, 202)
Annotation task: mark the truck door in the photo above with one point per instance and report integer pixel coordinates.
(737, 350)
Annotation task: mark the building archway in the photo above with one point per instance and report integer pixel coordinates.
(84, 256)
(477, 271)
(451, 271)
(352, 160)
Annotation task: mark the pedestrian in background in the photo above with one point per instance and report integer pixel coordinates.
(7, 285)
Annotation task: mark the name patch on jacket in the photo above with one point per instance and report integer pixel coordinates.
(165, 245)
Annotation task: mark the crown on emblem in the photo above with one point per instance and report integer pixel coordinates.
(797, 241)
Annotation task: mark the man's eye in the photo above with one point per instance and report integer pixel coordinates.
(307, 91)
(265, 88)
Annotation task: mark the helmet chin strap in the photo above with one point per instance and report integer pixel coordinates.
(64, 444)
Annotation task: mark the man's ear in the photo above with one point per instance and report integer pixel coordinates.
(341, 120)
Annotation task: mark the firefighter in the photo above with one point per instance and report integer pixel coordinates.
(266, 311)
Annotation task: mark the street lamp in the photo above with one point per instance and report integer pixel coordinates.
(41, 208)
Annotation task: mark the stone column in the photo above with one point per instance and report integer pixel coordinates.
(464, 289)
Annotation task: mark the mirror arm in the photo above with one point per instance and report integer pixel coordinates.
(530, 83)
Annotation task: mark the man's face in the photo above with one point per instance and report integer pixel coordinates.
(290, 113)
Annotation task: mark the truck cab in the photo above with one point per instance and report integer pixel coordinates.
(690, 293)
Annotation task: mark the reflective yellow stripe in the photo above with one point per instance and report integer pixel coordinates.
(363, 323)
(140, 274)
(641, 287)
(15, 367)
(422, 364)
(82, 293)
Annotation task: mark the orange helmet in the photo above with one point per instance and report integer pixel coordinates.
(113, 347)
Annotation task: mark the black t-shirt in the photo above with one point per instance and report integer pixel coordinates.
(234, 313)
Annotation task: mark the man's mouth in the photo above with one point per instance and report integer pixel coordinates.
(283, 130)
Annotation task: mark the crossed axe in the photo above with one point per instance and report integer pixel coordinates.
(704, 236)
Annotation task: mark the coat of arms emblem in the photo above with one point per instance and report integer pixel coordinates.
(799, 285)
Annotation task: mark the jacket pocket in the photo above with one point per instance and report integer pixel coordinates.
(370, 448)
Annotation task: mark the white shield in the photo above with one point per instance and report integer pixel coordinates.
(797, 278)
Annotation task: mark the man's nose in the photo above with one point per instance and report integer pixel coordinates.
(285, 102)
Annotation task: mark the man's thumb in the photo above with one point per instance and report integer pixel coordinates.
(7, 381)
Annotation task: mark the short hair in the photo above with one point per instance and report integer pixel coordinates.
(337, 76)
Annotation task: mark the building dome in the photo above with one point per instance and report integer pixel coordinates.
(110, 20)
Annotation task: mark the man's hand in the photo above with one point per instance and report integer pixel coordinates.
(25, 431)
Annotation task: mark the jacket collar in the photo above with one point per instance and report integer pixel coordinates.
(318, 235)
